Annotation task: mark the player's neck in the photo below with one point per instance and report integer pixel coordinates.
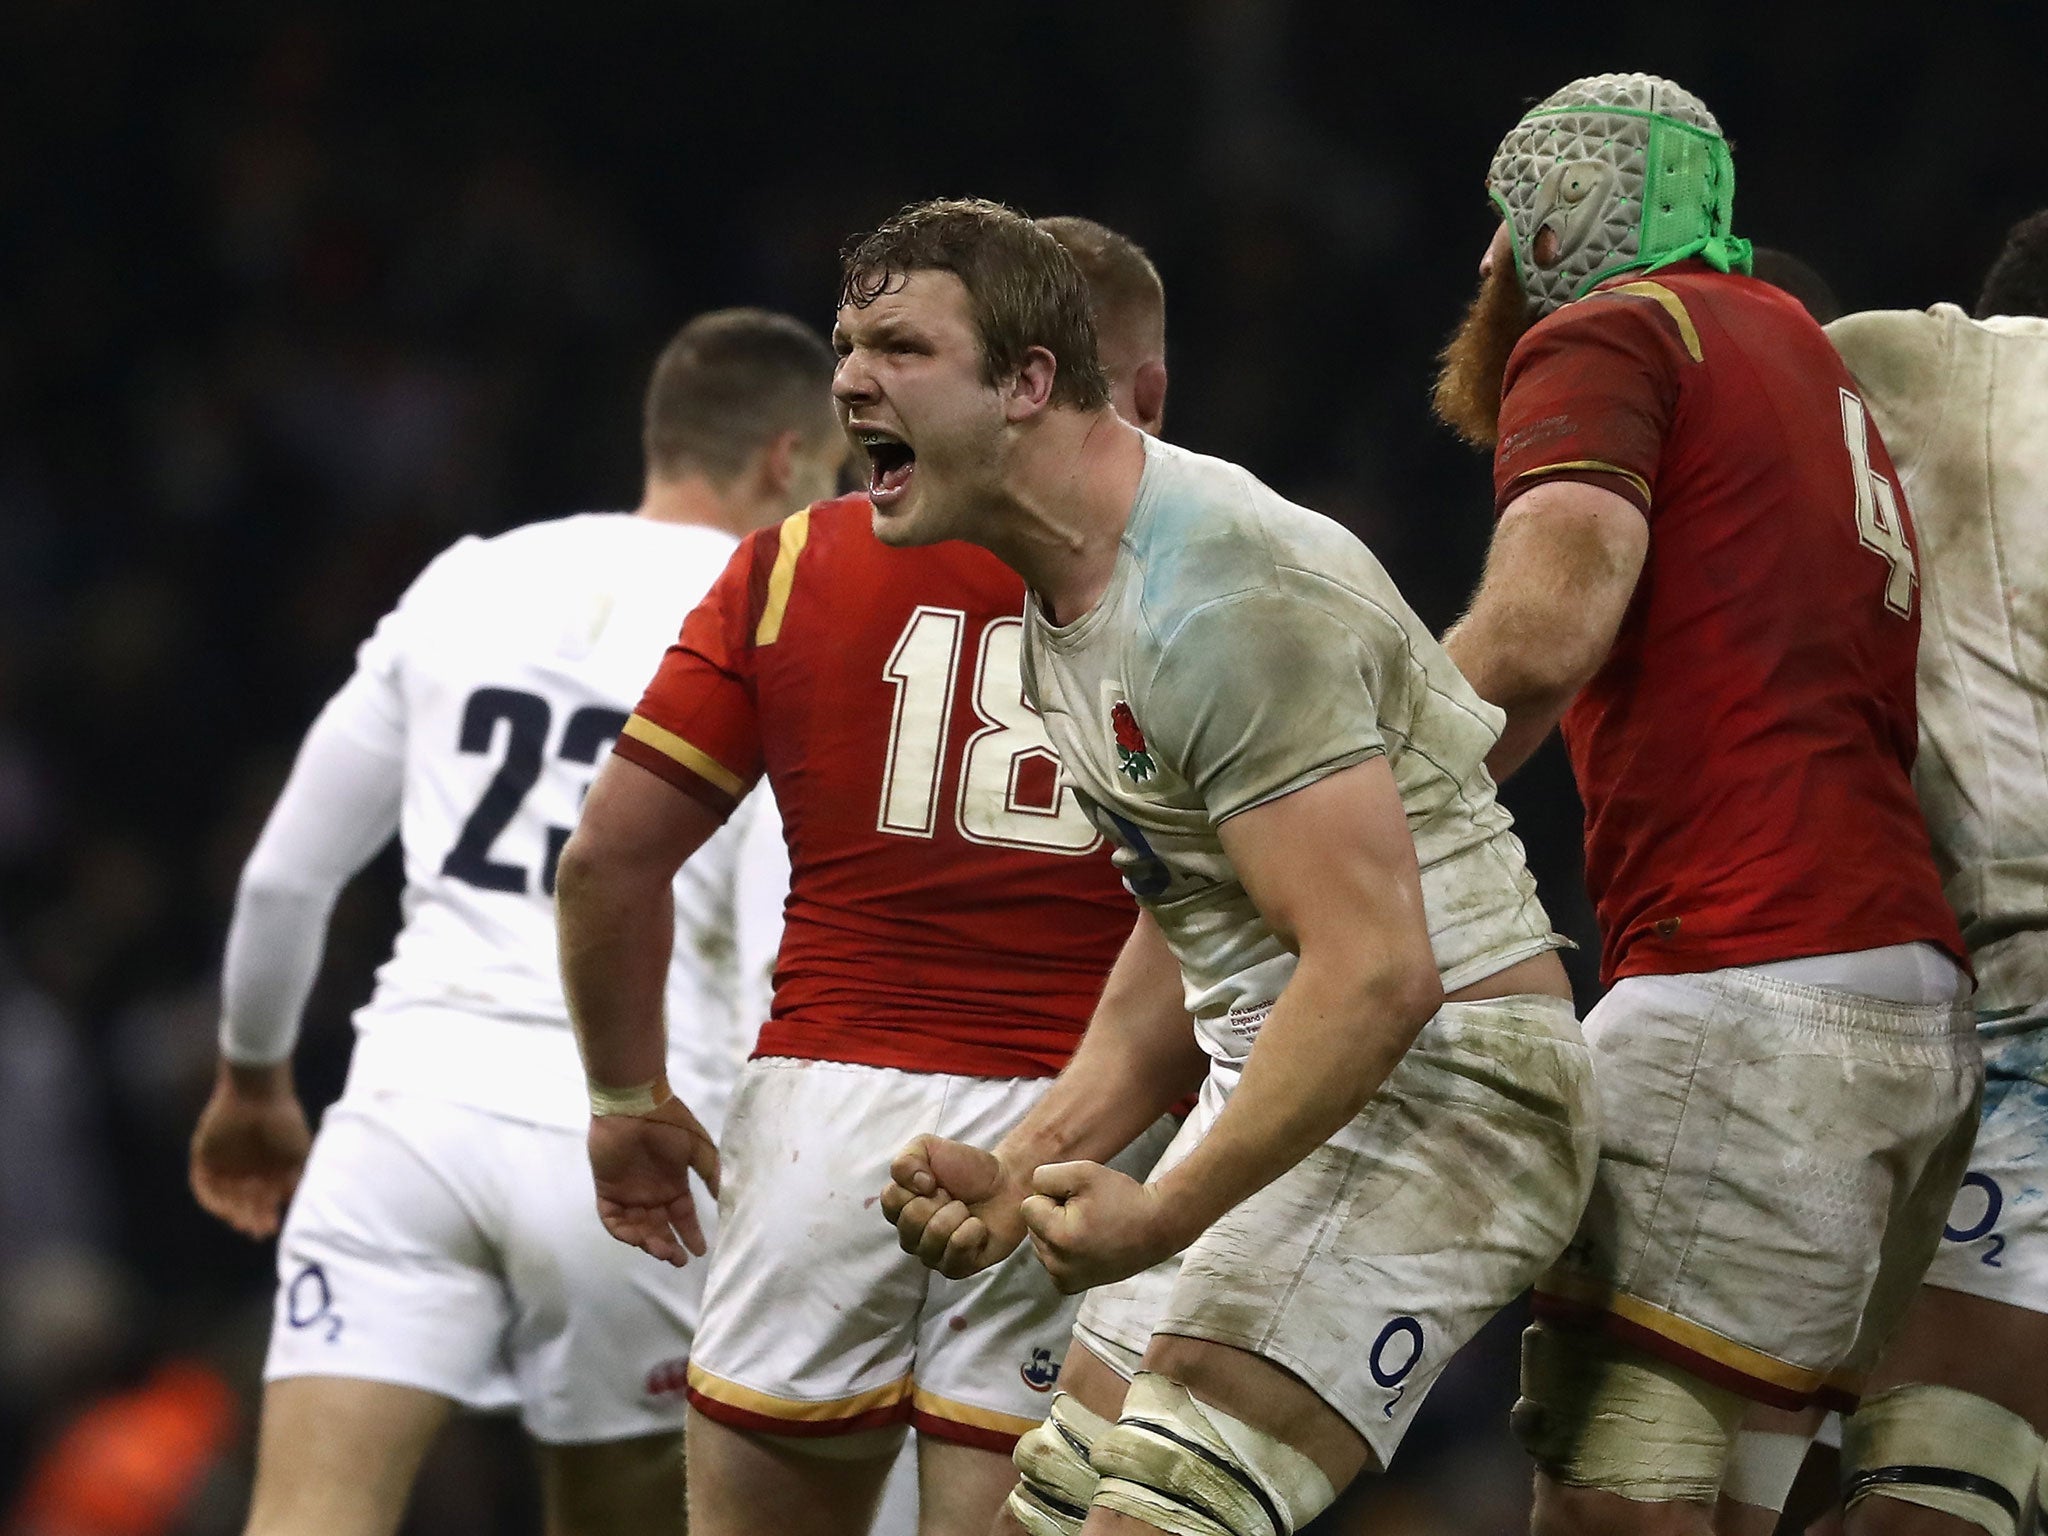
(697, 502)
(1070, 496)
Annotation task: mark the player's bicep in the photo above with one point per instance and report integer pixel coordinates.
(1560, 575)
(636, 820)
(1333, 864)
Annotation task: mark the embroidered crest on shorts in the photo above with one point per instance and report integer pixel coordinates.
(1134, 760)
(1041, 1371)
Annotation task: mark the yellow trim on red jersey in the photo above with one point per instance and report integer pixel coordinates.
(796, 532)
(1674, 306)
(937, 1407)
(696, 759)
(733, 1395)
(1690, 1336)
(1601, 465)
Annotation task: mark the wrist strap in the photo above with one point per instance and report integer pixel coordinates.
(642, 1099)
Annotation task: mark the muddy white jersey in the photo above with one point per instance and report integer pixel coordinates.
(1245, 648)
(1963, 407)
(500, 679)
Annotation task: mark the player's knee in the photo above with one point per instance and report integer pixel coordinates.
(1946, 1450)
(1055, 1481)
(1600, 1416)
(1187, 1467)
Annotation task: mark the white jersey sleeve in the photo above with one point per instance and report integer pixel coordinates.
(339, 807)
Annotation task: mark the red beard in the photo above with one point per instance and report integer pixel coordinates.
(1475, 359)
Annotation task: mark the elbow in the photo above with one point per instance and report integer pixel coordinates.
(1413, 995)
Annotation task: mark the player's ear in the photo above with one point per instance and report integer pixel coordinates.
(1148, 397)
(779, 461)
(1030, 390)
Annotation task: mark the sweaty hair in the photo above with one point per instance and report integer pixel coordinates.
(730, 381)
(1123, 285)
(1023, 289)
(2017, 283)
(1781, 269)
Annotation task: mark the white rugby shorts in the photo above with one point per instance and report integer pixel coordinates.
(1776, 1160)
(459, 1252)
(1995, 1243)
(815, 1321)
(1368, 1265)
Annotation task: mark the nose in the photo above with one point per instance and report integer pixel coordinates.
(852, 382)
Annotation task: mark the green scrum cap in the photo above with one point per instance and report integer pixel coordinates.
(1630, 172)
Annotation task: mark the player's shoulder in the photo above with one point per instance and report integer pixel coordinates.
(1896, 355)
(1213, 537)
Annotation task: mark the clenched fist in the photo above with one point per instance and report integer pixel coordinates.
(1092, 1225)
(954, 1206)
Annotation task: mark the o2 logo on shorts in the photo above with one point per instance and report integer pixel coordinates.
(309, 1301)
(1395, 1354)
(1994, 1206)
(1041, 1371)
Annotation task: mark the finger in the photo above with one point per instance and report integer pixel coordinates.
(912, 1167)
(896, 1199)
(1064, 1180)
(704, 1158)
(911, 1218)
(1053, 1262)
(931, 1246)
(966, 1249)
(1043, 1217)
(682, 1218)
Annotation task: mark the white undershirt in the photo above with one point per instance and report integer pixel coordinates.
(1916, 973)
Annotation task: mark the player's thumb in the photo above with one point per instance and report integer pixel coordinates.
(1063, 1181)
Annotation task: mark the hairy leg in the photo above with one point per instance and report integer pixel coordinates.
(960, 1487)
(617, 1485)
(336, 1456)
(745, 1484)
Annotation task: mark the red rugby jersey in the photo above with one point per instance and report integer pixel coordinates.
(1745, 752)
(951, 908)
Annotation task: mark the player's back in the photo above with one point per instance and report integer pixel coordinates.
(1963, 406)
(1745, 750)
(512, 662)
(951, 907)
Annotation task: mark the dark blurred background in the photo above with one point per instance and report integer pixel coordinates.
(293, 294)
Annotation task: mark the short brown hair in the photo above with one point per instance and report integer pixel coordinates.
(1123, 285)
(1023, 289)
(2017, 283)
(729, 382)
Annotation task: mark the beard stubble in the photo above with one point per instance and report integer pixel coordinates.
(1475, 360)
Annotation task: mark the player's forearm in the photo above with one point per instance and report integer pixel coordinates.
(1137, 1060)
(616, 928)
(1335, 1033)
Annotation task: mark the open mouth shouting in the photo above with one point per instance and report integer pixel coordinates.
(891, 462)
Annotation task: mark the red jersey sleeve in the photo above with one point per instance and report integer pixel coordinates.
(1591, 392)
(698, 725)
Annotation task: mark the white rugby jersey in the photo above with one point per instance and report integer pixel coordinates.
(1246, 647)
(489, 697)
(1962, 405)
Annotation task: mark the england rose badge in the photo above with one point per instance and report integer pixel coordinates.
(1134, 761)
